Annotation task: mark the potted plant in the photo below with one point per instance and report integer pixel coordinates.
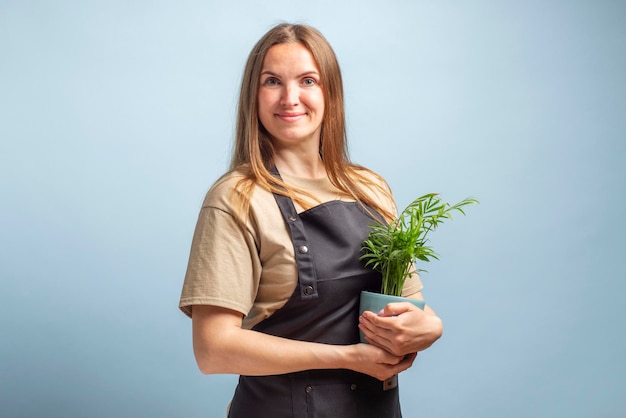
(394, 248)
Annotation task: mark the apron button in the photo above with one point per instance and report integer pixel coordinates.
(308, 389)
(308, 290)
(353, 386)
(303, 249)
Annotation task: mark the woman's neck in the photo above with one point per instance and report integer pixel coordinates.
(295, 165)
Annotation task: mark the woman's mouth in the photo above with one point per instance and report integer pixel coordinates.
(290, 116)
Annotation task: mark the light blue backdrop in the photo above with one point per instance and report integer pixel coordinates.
(116, 116)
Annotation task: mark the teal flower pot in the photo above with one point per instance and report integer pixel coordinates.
(375, 302)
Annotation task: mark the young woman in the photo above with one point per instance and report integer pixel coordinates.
(274, 277)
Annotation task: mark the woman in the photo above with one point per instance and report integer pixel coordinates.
(274, 277)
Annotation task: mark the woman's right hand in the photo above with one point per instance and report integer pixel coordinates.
(379, 363)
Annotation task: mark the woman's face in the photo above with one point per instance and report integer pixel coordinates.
(291, 100)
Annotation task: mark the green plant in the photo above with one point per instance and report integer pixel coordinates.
(394, 248)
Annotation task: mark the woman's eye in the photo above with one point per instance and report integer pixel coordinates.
(271, 81)
(309, 82)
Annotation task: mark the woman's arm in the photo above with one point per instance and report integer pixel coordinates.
(402, 328)
(222, 346)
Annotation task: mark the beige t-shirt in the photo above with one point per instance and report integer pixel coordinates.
(251, 270)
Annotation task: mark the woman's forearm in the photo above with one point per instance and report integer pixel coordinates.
(222, 346)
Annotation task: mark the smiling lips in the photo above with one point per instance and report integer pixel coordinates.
(290, 116)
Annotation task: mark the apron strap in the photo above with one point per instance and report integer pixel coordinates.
(307, 276)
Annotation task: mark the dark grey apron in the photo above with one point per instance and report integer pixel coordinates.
(324, 308)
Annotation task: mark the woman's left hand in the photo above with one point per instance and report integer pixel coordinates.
(401, 328)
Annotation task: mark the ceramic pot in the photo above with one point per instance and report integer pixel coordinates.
(375, 302)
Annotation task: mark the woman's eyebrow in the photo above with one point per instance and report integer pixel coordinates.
(311, 72)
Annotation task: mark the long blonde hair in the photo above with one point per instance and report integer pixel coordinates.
(253, 150)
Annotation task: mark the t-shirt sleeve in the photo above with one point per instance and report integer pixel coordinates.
(412, 284)
(221, 269)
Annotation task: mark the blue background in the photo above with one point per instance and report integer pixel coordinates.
(116, 117)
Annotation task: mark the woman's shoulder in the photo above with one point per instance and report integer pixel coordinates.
(233, 188)
(221, 192)
(375, 186)
(369, 178)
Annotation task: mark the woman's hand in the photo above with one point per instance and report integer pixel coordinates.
(379, 363)
(401, 328)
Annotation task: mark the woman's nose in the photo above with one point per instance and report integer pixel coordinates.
(290, 95)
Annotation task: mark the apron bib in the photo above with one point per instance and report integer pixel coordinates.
(324, 308)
